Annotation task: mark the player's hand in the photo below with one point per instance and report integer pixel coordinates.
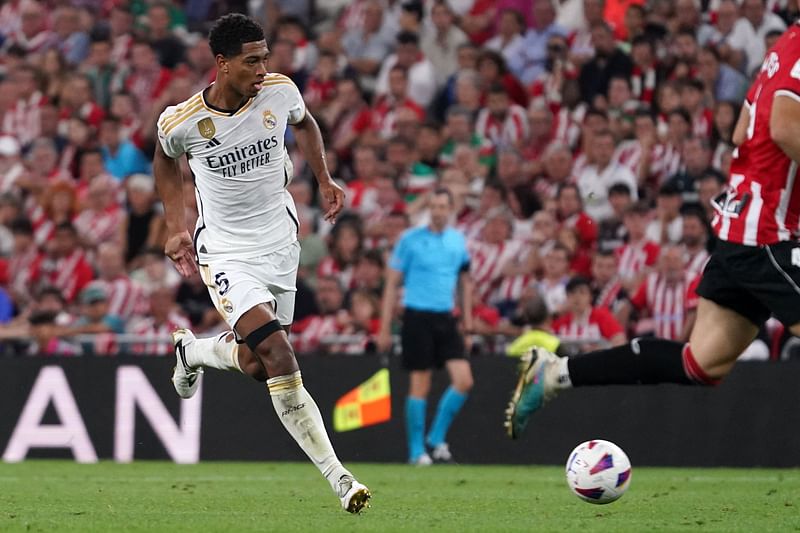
(334, 195)
(384, 342)
(180, 250)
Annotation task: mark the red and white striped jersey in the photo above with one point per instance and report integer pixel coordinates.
(24, 269)
(702, 123)
(512, 287)
(512, 130)
(762, 203)
(634, 258)
(22, 120)
(126, 297)
(97, 227)
(665, 160)
(609, 295)
(598, 324)
(328, 266)
(307, 334)
(155, 337)
(68, 274)
(666, 302)
(696, 263)
(487, 262)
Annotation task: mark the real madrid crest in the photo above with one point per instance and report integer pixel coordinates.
(206, 128)
(270, 120)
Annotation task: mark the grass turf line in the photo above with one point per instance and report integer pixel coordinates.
(158, 496)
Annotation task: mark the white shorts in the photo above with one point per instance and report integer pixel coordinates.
(236, 286)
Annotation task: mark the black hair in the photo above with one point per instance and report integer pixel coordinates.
(50, 290)
(21, 226)
(67, 226)
(669, 188)
(695, 84)
(443, 191)
(408, 37)
(577, 282)
(619, 188)
(230, 32)
(519, 17)
(414, 7)
(683, 113)
(643, 39)
(375, 257)
(534, 311)
(497, 88)
(494, 57)
(564, 186)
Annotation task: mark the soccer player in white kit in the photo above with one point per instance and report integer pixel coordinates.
(245, 240)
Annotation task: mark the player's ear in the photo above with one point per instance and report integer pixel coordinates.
(222, 63)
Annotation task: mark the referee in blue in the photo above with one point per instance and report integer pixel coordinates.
(429, 262)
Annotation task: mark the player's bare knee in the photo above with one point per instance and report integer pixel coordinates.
(463, 384)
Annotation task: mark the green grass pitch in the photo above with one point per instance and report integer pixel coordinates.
(233, 497)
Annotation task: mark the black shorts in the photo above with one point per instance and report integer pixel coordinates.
(755, 281)
(429, 339)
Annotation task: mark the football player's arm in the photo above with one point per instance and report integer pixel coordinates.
(309, 139)
(393, 279)
(740, 131)
(169, 184)
(784, 123)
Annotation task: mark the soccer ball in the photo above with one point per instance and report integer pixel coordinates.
(598, 471)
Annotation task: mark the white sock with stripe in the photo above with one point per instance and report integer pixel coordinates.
(300, 416)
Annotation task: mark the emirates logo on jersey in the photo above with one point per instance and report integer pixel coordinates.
(270, 121)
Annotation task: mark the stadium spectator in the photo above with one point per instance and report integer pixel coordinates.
(638, 254)
(723, 81)
(666, 297)
(65, 266)
(601, 172)
(750, 31)
(101, 219)
(607, 289)
(440, 43)
(611, 232)
(509, 40)
(387, 106)
(126, 297)
(421, 72)
(44, 337)
(501, 121)
(583, 324)
(608, 61)
(95, 319)
(529, 62)
(169, 49)
(695, 237)
(155, 330)
(308, 334)
(121, 157)
(73, 43)
(667, 226)
(555, 275)
(143, 225)
(11, 165)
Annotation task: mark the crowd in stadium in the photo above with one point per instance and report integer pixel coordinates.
(584, 142)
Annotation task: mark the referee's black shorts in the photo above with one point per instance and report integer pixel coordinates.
(755, 281)
(430, 339)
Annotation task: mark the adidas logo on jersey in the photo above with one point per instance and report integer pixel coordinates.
(212, 143)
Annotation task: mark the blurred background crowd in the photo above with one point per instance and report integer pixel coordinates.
(584, 142)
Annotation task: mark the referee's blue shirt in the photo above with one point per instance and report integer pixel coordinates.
(430, 263)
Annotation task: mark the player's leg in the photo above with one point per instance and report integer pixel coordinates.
(296, 409)
(418, 349)
(727, 319)
(451, 346)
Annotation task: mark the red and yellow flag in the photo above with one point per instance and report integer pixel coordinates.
(368, 404)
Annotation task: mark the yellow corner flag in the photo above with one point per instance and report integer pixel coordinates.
(369, 403)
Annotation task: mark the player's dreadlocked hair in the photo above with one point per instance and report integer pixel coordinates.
(231, 31)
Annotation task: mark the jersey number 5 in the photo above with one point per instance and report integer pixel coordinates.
(222, 283)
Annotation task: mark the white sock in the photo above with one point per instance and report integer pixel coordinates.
(221, 352)
(564, 380)
(300, 416)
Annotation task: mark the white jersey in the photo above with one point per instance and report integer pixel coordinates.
(238, 161)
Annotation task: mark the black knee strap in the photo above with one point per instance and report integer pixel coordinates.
(258, 335)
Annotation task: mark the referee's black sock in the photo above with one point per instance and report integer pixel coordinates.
(641, 361)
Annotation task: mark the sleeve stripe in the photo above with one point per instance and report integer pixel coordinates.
(788, 92)
(180, 110)
(174, 125)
